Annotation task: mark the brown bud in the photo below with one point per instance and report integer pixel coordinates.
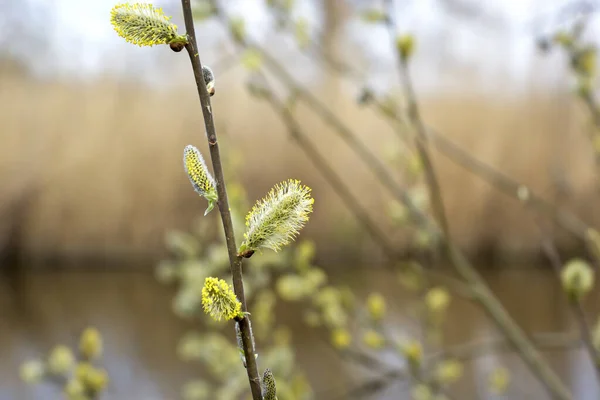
(177, 46)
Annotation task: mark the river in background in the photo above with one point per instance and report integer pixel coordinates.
(133, 312)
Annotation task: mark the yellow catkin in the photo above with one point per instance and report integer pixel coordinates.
(219, 300)
(277, 219)
(144, 25)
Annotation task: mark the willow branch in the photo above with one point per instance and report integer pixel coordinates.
(333, 178)
(223, 204)
(345, 194)
(468, 352)
(497, 179)
(484, 296)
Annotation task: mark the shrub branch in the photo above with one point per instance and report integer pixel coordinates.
(223, 204)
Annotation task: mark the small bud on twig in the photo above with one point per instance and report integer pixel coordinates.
(268, 386)
(201, 180)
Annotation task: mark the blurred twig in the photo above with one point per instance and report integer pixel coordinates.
(332, 177)
(484, 296)
(471, 351)
(497, 179)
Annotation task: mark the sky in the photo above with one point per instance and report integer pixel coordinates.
(499, 41)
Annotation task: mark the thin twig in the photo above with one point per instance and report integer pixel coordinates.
(234, 260)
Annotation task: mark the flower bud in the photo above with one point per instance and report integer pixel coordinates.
(268, 386)
(373, 339)
(406, 46)
(219, 300)
(499, 380)
(61, 360)
(90, 344)
(376, 306)
(437, 300)
(340, 338)
(144, 25)
(32, 371)
(201, 180)
(577, 278)
(277, 219)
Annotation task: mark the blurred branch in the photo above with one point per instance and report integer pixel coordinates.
(497, 179)
(344, 192)
(482, 293)
(224, 210)
(483, 296)
(469, 352)
(329, 173)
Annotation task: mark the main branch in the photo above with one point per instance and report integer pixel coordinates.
(234, 260)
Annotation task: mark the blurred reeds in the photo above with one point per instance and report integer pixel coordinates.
(94, 170)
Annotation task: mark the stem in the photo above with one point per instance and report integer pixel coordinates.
(483, 294)
(234, 260)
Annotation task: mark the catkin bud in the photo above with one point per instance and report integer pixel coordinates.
(437, 300)
(413, 352)
(373, 339)
(61, 360)
(219, 300)
(144, 25)
(201, 180)
(341, 338)
(449, 371)
(90, 344)
(405, 44)
(499, 380)
(74, 390)
(376, 306)
(277, 219)
(268, 386)
(209, 79)
(577, 278)
(32, 371)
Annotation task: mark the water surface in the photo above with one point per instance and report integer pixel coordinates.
(141, 332)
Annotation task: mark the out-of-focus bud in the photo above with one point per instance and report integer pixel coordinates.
(405, 45)
(376, 306)
(577, 278)
(90, 344)
(341, 338)
(32, 372)
(61, 360)
(437, 300)
(499, 380)
(449, 371)
(413, 352)
(373, 339)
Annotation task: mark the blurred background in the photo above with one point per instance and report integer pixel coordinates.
(91, 136)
